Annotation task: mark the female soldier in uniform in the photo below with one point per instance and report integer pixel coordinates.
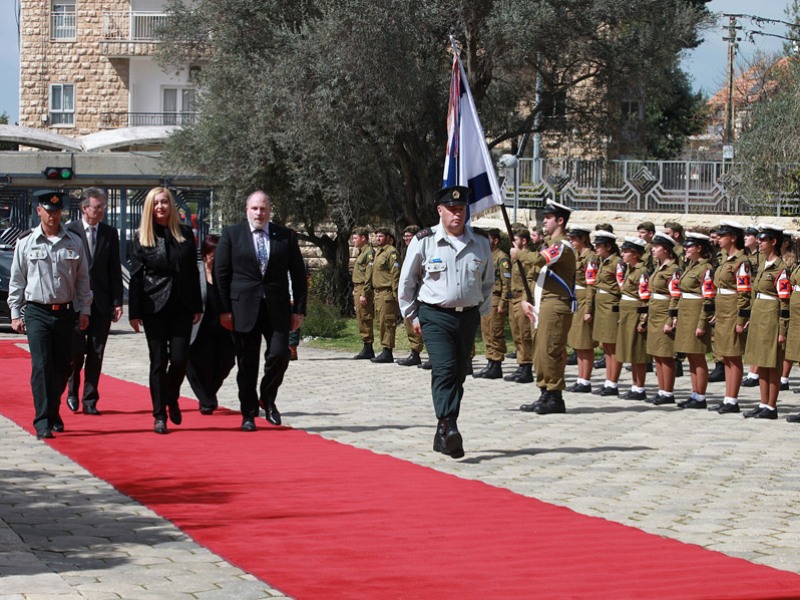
(695, 309)
(632, 330)
(580, 333)
(732, 310)
(792, 341)
(756, 258)
(766, 338)
(606, 307)
(662, 308)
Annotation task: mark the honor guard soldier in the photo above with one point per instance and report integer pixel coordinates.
(606, 307)
(363, 297)
(385, 275)
(493, 325)
(646, 231)
(551, 313)
(756, 260)
(631, 344)
(414, 339)
(445, 286)
(675, 231)
(580, 333)
(50, 279)
(520, 326)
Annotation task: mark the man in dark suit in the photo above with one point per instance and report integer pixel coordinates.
(101, 243)
(255, 263)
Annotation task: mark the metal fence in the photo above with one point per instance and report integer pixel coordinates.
(143, 119)
(133, 26)
(632, 185)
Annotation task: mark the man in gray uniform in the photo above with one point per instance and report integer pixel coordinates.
(445, 287)
(50, 278)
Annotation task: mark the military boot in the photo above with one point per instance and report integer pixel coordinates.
(718, 374)
(366, 352)
(531, 407)
(411, 360)
(526, 376)
(513, 376)
(553, 405)
(384, 357)
(493, 370)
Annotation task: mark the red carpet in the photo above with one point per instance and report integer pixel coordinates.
(318, 519)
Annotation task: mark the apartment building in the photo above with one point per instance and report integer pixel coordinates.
(89, 65)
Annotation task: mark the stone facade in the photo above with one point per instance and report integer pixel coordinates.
(100, 74)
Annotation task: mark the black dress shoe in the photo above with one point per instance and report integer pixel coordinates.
(725, 409)
(438, 437)
(412, 360)
(718, 374)
(608, 391)
(384, 357)
(58, 427)
(453, 444)
(248, 425)
(366, 353)
(693, 403)
(784, 386)
(206, 410)
(160, 426)
(766, 413)
(426, 365)
(72, 403)
(600, 363)
(750, 382)
(45, 435)
(793, 418)
(90, 409)
(580, 388)
(174, 413)
(662, 400)
(753, 412)
(273, 414)
(631, 395)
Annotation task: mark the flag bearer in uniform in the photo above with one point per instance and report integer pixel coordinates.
(732, 310)
(445, 286)
(580, 332)
(385, 275)
(414, 339)
(551, 314)
(363, 297)
(695, 310)
(50, 279)
(631, 344)
(493, 325)
(663, 306)
(606, 307)
(769, 317)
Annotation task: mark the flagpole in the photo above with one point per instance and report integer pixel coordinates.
(503, 210)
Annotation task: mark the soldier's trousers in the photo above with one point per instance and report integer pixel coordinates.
(448, 336)
(386, 316)
(364, 314)
(555, 319)
(493, 331)
(522, 339)
(414, 339)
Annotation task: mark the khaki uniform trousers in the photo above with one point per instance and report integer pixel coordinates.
(386, 316)
(414, 339)
(364, 314)
(493, 331)
(555, 320)
(522, 337)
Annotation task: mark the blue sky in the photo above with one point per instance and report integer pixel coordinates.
(706, 64)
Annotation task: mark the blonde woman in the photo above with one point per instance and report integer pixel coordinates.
(165, 299)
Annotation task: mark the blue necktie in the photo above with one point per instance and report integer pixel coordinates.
(261, 247)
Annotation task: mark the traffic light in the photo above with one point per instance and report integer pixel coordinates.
(62, 173)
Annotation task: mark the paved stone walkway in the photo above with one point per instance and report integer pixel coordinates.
(722, 482)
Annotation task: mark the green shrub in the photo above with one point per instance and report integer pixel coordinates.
(323, 320)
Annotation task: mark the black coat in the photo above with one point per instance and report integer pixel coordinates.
(169, 267)
(241, 285)
(105, 272)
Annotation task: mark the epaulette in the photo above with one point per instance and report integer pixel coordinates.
(25, 234)
(480, 231)
(423, 233)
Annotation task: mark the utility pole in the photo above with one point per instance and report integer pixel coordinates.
(727, 148)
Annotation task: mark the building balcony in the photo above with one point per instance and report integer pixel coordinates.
(113, 120)
(132, 33)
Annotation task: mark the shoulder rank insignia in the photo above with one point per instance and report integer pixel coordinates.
(423, 233)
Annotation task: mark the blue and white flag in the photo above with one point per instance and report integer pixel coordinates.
(467, 161)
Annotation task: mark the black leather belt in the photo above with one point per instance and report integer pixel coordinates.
(457, 309)
(53, 307)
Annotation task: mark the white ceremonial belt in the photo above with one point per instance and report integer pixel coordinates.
(761, 296)
(629, 298)
(660, 296)
(725, 292)
(580, 287)
(797, 288)
(690, 296)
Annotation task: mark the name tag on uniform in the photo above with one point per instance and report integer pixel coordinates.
(435, 265)
(37, 254)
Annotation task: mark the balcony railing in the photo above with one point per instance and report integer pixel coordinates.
(133, 26)
(62, 26)
(146, 119)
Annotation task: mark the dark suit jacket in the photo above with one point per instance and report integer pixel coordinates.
(159, 271)
(241, 285)
(105, 273)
